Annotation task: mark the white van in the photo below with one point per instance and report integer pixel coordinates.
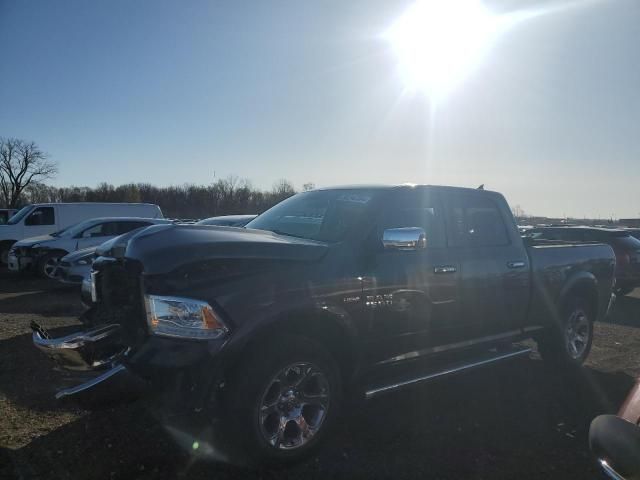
(41, 254)
(46, 218)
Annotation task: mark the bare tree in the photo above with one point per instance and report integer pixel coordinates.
(518, 212)
(308, 186)
(21, 163)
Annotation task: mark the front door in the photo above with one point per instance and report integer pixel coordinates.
(410, 297)
(41, 221)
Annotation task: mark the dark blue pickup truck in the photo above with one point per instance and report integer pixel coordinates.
(355, 290)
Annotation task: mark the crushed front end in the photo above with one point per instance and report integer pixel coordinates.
(117, 351)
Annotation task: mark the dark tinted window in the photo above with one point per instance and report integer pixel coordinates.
(626, 241)
(414, 209)
(101, 230)
(474, 220)
(41, 216)
(565, 234)
(125, 227)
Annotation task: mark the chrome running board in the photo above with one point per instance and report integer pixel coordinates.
(449, 370)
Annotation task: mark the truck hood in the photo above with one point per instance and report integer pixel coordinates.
(163, 248)
(30, 242)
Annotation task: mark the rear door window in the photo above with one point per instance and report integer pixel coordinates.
(474, 220)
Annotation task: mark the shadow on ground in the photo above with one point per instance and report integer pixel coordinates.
(517, 420)
(55, 303)
(626, 311)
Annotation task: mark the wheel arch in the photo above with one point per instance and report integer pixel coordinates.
(583, 284)
(332, 328)
(6, 244)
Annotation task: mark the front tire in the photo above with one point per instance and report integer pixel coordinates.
(48, 264)
(284, 399)
(570, 342)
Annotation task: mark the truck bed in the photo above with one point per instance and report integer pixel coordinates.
(557, 266)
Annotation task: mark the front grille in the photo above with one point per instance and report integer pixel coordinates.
(119, 296)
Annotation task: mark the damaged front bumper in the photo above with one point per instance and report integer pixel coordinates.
(99, 363)
(94, 359)
(19, 262)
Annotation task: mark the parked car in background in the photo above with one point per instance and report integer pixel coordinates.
(73, 268)
(42, 254)
(367, 290)
(615, 440)
(625, 246)
(634, 232)
(46, 218)
(6, 214)
(228, 220)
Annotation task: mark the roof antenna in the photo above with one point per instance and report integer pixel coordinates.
(481, 187)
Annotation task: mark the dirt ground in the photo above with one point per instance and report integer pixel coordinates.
(516, 420)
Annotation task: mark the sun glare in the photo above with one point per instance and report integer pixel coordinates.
(438, 42)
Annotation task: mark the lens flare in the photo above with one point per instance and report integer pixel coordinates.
(437, 43)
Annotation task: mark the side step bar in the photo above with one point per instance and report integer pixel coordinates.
(449, 370)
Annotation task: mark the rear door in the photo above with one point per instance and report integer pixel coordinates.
(410, 297)
(494, 277)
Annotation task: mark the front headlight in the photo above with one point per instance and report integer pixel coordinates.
(85, 261)
(35, 245)
(183, 317)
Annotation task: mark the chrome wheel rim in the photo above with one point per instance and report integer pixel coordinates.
(294, 406)
(577, 333)
(50, 266)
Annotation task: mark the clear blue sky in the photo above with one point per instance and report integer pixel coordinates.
(169, 92)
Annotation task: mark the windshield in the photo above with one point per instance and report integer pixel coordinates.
(20, 215)
(60, 232)
(325, 215)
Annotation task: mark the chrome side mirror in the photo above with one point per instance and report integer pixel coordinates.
(407, 238)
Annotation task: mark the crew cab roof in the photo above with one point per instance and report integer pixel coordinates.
(404, 186)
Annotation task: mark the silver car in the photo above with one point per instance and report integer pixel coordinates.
(75, 267)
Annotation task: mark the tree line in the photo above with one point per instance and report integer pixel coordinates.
(24, 168)
(227, 196)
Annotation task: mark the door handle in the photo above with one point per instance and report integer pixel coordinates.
(445, 269)
(515, 264)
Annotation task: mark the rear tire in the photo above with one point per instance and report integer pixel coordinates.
(569, 343)
(283, 400)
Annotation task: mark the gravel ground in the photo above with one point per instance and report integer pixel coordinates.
(515, 420)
